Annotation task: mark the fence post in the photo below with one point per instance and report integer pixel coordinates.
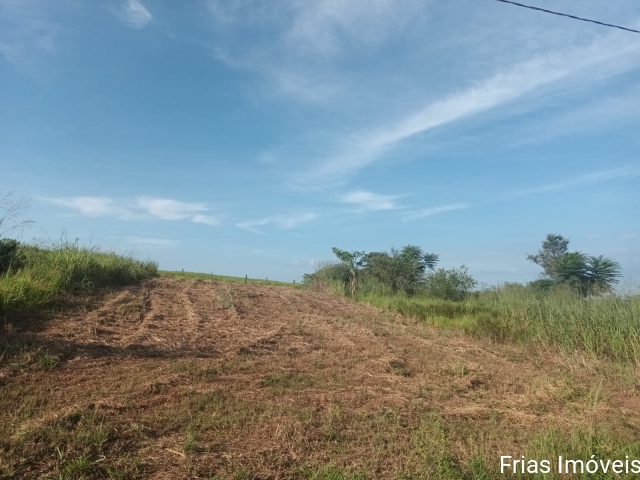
(245, 278)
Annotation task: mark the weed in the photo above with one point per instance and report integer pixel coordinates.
(287, 381)
(332, 473)
(78, 467)
(430, 446)
(190, 444)
(48, 361)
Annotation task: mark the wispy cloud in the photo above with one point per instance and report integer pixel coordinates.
(427, 212)
(628, 236)
(211, 220)
(143, 207)
(326, 27)
(287, 222)
(151, 242)
(282, 222)
(28, 34)
(93, 206)
(369, 200)
(288, 80)
(364, 148)
(135, 14)
(168, 209)
(304, 37)
(586, 179)
(597, 114)
(253, 225)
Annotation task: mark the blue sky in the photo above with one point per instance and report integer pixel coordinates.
(250, 137)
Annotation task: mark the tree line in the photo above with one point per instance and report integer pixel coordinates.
(409, 270)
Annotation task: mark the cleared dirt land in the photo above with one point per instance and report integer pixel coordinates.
(193, 379)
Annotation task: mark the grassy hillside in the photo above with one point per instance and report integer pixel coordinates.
(38, 276)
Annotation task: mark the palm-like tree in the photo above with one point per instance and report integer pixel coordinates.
(353, 260)
(602, 272)
(571, 268)
(586, 273)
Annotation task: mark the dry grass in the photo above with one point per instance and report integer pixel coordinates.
(204, 379)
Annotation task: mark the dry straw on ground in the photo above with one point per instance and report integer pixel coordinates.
(193, 379)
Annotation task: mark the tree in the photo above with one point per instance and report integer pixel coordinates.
(603, 273)
(571, 268)
(413, 264)
(553, 248)
(382, 266)
(353, 261)
(400, 270)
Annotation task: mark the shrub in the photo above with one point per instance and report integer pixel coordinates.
(329, 276)
(453, 284)
(10, 256)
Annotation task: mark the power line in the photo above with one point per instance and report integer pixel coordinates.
(570, 16)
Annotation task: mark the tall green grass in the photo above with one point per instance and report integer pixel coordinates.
(46, 274)
(607, 327)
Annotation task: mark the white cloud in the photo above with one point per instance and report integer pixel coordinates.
(168, 209)
(211, 220)
(135, 14)
(287, 222)
(150, 241)
(370, 201)
(282, 222)
(427, 212)
(252, 225)
(162, 208)
(93, 206)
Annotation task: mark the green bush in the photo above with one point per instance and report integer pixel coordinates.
(454, 284)
(329, 276)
